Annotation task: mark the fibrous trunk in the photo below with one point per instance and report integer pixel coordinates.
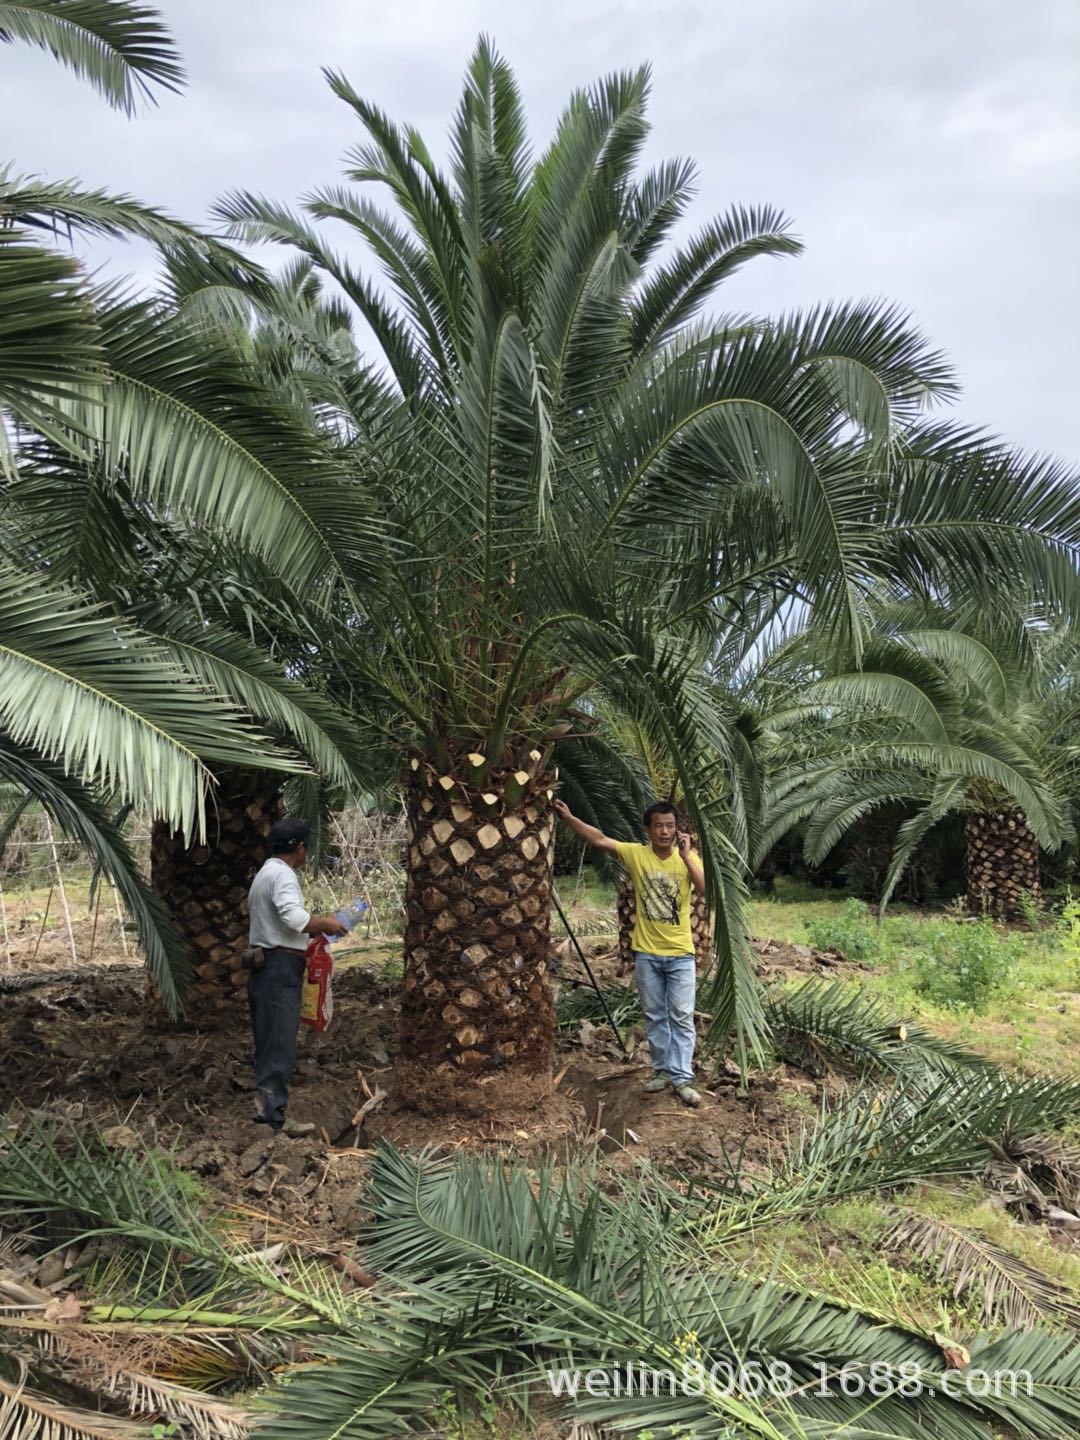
(206, 885)
(477, 1023)
(1002, 859)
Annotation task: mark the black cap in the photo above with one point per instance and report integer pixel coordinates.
(286, 835)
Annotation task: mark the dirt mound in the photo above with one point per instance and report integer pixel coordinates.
(86, 1046)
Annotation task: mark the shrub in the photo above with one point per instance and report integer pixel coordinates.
(853, 933)
(967, 963)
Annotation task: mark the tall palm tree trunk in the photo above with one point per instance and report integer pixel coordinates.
(1002, 859)
(477, 1021)
(205, 886)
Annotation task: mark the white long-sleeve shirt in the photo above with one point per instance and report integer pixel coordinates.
(276, 908)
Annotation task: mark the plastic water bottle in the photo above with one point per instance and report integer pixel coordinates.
(350, 914)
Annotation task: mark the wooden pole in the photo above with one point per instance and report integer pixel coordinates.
(44, 922)
(60, 883)
(97, 912)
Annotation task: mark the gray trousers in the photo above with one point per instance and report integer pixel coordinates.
(274, 1001)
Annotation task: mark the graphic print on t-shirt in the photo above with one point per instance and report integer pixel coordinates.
(660, 897)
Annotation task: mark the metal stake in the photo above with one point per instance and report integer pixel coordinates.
(588, 971)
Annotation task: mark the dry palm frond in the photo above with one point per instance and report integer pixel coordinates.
(1013, 1292)
(1038, 1176)
(28, 1415)
(145, 1371)
(1053, 1164)
(135, 1368)
(205, 1417)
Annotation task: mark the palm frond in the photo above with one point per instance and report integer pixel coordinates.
(65, 207)
(51, 346)
(548, 1270)
(123, 48)
(922, 1127)
(844, 1022)
(26, 1414)
(82, 817)
(231, 666)
(87, 690)
(1011, 1291)
(676, 291)
(196, 433)
(254, 220)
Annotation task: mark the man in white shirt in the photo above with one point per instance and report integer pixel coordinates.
(279, 927)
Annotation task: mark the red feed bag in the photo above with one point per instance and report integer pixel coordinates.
(317, 996)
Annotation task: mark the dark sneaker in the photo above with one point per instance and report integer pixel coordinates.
(688, 1095)
(293, 1128)
(656, 1084)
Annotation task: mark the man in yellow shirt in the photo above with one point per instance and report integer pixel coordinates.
(663, 872)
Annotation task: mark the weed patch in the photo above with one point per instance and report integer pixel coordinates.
(965, 964)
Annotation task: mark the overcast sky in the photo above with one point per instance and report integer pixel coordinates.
(927, 150)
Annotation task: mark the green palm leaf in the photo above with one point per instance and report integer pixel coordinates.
(234, 668)
(121, 47)
(858, 1028)
(675, 292)
(63, 207)
(51, 342)
(195, 433)
(90, 692)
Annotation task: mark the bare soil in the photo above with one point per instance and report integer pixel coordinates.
(85, 1044)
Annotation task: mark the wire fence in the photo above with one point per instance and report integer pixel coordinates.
(54, 905)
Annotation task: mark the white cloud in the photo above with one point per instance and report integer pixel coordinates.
(927, 152)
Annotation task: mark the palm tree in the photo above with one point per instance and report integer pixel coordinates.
(108, 697)
(940, 722)
(575, 482)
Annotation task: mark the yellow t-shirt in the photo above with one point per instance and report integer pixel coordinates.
(661, 900)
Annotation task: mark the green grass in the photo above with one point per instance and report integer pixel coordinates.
(841, 1252)
(1032, 1022)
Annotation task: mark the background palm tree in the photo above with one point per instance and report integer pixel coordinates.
(941, 723)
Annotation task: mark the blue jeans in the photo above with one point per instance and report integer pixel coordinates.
(274, 1000)
(667, 986)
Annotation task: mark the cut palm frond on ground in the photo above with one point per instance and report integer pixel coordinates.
(491, 1277)
(25, 1414)
(842, 1023)
(917, 1128)
(1011, 1291)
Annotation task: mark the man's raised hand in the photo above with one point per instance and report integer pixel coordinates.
(684, 843)
(561, 809)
